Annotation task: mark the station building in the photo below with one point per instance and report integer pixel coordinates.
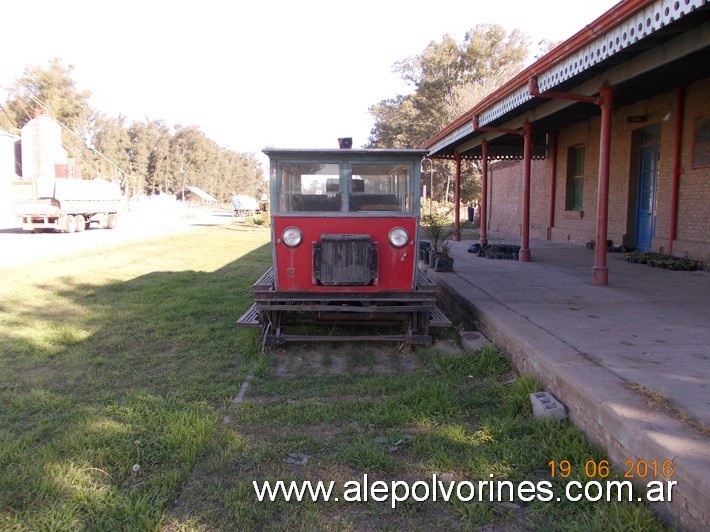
(603, 141)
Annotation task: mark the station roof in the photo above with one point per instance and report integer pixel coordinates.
(344, 152)
(641, 47)
(201, 194)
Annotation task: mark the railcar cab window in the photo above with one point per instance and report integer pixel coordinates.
(379, 187)
(322, 187)
(310, 187)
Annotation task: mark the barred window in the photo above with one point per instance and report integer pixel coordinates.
(575, 178)
(701, 142)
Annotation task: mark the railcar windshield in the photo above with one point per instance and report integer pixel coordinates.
(380, 187)
(331, 187)
(310, 187)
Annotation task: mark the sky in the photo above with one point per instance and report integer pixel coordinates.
(251, 75)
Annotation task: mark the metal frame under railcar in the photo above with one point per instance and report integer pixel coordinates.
(413, 313)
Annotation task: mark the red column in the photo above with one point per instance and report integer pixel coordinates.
(600, 272)
(483, 209)
(675, 184)
(457, 199)
(524, 255)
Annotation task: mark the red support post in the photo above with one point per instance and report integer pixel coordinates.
(457, 199)
(600, 272)
(483, 211)
(676, 169)
(524, 254)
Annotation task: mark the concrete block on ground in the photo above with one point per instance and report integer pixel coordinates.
(546, 406)
(448, 347)
(473, 340)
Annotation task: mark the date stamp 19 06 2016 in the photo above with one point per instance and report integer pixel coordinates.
(633, 469)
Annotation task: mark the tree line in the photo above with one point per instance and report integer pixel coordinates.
(447, 79)
(149, 157)
(146, 157)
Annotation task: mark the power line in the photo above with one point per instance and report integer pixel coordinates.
(7, 115)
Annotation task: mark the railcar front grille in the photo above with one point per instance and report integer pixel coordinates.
(345, 260)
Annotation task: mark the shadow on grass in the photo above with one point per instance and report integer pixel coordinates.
(111, 388)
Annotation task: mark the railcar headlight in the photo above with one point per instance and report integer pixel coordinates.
(292, 236)
(398, 237)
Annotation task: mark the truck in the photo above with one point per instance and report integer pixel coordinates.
(245, 205)
(66, 204)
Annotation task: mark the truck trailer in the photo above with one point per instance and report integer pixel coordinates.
(66, 204)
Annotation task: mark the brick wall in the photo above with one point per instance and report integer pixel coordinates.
(504, 196)
(693, 232)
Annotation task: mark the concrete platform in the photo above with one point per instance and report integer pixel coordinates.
(603, 351)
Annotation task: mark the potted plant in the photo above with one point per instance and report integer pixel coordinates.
(424, 247)
(437, 225)
(444, 260)
(431, 257)
(438, 229)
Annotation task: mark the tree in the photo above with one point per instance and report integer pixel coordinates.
(241, 174)
(110, 142)
(396, 120)
(150, 149)
(447, 78)
(53, 91)
(147, 157)
(139, 152)
(194, 159)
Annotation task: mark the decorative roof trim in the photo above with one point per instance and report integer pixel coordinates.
(623, 25)
(479, 157)
(645, 22)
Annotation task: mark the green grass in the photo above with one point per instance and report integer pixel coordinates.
(117, 368)
(463, 418)
(122, 358)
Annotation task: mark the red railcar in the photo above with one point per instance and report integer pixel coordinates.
(345, 240)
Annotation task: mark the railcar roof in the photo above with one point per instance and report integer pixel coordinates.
(344, 153)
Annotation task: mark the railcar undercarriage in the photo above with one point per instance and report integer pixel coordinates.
(393, 316)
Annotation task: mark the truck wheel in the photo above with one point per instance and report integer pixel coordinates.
(111, 221)
(80, 223)
(69, 224)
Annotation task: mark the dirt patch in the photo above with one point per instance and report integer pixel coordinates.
(334, 359)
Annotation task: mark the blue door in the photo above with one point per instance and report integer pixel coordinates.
(646, 205)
